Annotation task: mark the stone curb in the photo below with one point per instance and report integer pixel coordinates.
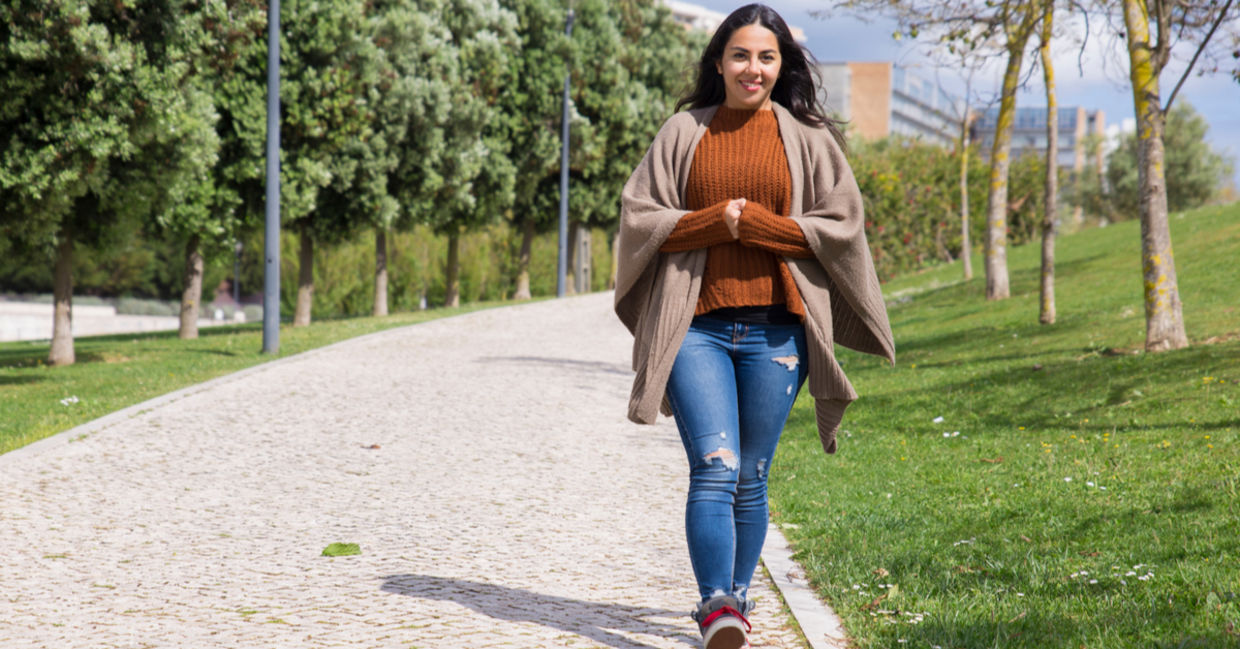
(820, 625)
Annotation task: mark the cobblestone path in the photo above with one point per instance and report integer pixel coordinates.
(483, 463)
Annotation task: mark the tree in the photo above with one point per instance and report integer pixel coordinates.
(532, 105)
(476, 171)
(1149, 50)
(1194, 170)
(1018, 20)
(1046, 309)
(329, 67)
(234, 69)
(102, 127)
(969, 24)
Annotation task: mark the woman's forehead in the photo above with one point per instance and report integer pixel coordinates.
(754, 38)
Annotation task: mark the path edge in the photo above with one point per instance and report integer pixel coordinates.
(821, 627)
(101, 424)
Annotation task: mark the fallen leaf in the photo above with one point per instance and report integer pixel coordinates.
(882, 572)
(342, 550)
(874, 604)
(993, 460)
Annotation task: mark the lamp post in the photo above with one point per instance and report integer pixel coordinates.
(562, 265)
(271, 274)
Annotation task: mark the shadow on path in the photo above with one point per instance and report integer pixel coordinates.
(595, 620)
(561, 363)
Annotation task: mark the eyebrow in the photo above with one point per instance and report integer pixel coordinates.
(738, 48)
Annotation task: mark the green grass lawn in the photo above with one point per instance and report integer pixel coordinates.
(1073, 494)
(117, 371)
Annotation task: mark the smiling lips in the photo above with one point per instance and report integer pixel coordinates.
(751, 86)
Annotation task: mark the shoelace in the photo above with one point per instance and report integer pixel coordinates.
(726, 610)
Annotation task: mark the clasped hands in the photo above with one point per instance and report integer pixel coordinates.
(732, 216)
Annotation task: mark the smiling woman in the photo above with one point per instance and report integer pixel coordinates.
(742, 260)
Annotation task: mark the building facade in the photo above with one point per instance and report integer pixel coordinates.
(877, 99)
(1029, 134)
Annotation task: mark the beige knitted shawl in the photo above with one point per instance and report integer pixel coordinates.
(656, 292)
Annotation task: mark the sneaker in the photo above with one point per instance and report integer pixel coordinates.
(722, 624)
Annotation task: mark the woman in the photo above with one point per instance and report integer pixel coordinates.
(742, 260)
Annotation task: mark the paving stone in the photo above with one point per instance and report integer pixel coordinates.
(483, 463)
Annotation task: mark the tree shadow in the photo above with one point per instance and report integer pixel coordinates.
(20, 380)
(1089, 386)
(561, 363)
(598, 621)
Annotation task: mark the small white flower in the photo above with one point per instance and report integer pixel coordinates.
(937, 420)
(1093, 581)
(68, 401)
(1067, 479)
(1089, 484)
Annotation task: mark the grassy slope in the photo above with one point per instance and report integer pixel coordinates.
(1075, 461)
(114, 372)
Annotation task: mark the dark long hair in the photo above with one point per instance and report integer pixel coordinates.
(795, 89)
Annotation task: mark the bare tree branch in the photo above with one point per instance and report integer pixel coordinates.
(1218, 20)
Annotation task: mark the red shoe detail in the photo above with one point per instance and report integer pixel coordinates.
(726, 610)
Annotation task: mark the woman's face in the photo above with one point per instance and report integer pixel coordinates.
(750, 67)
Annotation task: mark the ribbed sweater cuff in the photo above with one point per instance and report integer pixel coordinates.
(761, 228)
(699, 229)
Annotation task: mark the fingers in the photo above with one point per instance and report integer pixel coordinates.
(732, 216)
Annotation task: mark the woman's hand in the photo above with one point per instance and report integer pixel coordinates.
(732, 216)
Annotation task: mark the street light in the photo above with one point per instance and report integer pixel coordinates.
(271, 273)
(562, 265)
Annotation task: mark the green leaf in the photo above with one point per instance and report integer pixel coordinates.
(342, 550)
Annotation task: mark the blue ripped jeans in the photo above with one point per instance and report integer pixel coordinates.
(731, 389)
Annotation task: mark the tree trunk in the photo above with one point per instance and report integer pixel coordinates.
(585, 259)
(966, 247)
(996, 202)
(523, 260)
(1047, 311)
(452, 298)
(62, 290)
(570, 263)
(305, 280)
(381, 273)
(1164, 319)
(615, 260)
(191, 297)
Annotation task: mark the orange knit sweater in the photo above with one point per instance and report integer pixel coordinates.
(742, 156)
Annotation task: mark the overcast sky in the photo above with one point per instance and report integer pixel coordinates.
(1099, 82)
